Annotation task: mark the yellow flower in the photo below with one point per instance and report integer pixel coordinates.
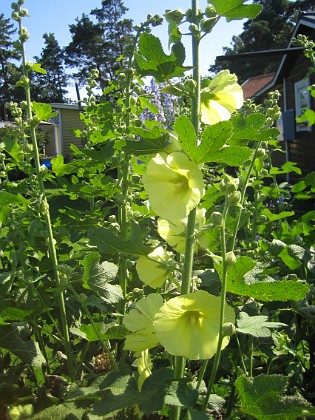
(220, 97)
(140, 322)
(152, 269)
(174, 185)
(144, 366)
(188, 325)
(174, 231)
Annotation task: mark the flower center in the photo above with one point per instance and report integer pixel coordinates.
(194, 318)
(181, 183)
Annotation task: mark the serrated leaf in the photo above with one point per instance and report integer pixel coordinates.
(152, 61)
(37, 67)
(7, 198)
(145, 103)
(97, 277)
(186, 135)
(16, 340)
(307, 116)
(263, 398)
(61, 411)
(245, 280)
(181, 394)
(256, 326)
(43, 111)
(146, 146)
(287, 167)
(250, 127)
(235, 9)
(108, 243)
(273, 217)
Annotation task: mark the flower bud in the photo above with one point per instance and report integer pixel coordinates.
(174, 16)
(234, 198)
(207, 25)
(228, 329)
(216, 218)
(210, 11)
(230, 258)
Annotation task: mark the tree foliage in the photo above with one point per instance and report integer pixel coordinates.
(99, 44)
(271, 29)
(9, 72)
(51, 86)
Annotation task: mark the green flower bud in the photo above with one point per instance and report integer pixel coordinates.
(28, 410)
(228, 329)
(230, 258)
(137, 293)
(216, 218)
(207, 25)
(210, 11)
(15, 413)
(234, 198)
(174, 16)
(82, 298)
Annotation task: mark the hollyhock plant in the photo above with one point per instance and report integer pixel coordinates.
(152, 270)
(174, 184)
(140, 322)
(220, 97)
(188, 325)
(174, 232)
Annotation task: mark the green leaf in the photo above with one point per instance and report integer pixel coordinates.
(235, 9)
(108, 243)
(181, 394)
(37, 67)
(256, 326)
(186, 135)
(307, 116)
(145, 103)
(280, 216)
(61, 411)
(97, 276)
(43, 111)
(152, 61)
(244, 279)
(148, 145)
(7, 198)
(287, 167)
(60, 168)
(250, 128)
(16, 339)
(263, 398)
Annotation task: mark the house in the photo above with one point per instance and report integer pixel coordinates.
(253, 85)
(64, 123)
(292, 82)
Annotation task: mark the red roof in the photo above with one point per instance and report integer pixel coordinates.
(254, 84)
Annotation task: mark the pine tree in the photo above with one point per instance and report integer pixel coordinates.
(9, 71)
(99, 45)
(50, 87)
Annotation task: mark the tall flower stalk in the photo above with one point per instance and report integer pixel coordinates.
(18, 14)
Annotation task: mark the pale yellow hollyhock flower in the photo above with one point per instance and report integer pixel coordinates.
(188, 325)
(220, 97)
(144, 366)
(174, 231)
(151, 269)
(174, 184)
(140, 322)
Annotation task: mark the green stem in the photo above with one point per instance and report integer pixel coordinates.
(190, 230)
(222, 306)
(243, 192)
(45, 212)
(105, 344)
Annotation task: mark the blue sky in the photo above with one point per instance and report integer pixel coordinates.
(55, 16)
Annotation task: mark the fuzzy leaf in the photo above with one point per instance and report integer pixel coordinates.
(152, 61)
(97, 276)
(245, 280)
(146, 146)
(256, 326)
(235, 9)
(108, 243)
(145, 103)
(250, 128)
(186, 135)
(263, 398)
(37, 67)
(43, 111)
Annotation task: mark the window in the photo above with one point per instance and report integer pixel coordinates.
(302, 102)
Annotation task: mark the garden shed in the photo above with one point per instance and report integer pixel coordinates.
(65, 122)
